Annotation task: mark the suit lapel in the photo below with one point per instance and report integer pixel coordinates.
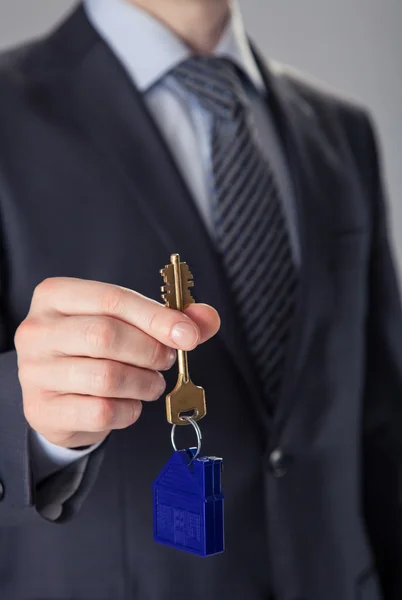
(110, 109)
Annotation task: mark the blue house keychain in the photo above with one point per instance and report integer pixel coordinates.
(188, 504)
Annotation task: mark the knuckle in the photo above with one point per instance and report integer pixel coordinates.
(29, 374)
(104, 414)
(107, 379)
(112, 301)
(30, 411)
(33, 411)
(25, 331)
(43, 288)
(100, 334)
(20, 335)
(152, 386)
(154, 323)
(157, 355)
(136, 410)
(24, 374)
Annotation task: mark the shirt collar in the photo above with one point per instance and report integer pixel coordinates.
(149, 50)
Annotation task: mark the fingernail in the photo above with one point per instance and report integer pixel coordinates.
(172, 358)
(163, 385)
(184, 335)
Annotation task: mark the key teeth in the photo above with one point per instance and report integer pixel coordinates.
(165, 272)
(168, 289)
(166, 300)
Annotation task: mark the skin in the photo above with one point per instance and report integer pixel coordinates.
(90, 353)
(200, 23)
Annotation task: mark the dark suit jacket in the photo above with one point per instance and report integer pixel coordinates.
(89, 189)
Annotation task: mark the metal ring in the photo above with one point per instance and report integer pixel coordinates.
(197, 431)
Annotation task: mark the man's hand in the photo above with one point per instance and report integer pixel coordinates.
(89, 353)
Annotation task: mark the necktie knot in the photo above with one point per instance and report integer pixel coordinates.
(214, 82)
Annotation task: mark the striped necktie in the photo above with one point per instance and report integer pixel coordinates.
(251, 230)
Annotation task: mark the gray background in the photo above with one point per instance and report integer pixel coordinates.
(354, 45)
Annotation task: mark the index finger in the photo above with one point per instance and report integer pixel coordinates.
(70, 296)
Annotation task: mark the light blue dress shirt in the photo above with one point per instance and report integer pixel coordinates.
(149, 51)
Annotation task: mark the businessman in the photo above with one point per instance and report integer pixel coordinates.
(133, 131)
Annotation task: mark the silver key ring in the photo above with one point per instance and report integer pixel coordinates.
(197, 431)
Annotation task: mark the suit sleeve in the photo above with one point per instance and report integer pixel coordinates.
(59, 497)
(382, 427)
(47, 458)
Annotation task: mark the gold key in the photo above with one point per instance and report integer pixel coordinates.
(186, 398)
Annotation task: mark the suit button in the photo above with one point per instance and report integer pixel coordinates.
(278, 462)
(1, 491)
